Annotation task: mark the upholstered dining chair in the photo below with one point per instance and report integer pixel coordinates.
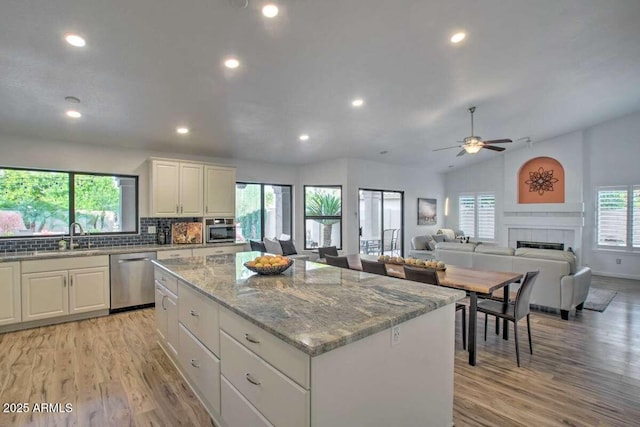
(374, 267)
(512, 311)
(329, 250)
(430, 277)
(337, 261)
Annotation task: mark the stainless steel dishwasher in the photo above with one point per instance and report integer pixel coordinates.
(132, 281)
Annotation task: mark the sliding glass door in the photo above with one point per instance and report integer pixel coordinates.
(381, 216)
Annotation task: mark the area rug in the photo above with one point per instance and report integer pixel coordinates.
(598, 299)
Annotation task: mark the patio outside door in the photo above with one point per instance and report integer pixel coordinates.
(381, 216)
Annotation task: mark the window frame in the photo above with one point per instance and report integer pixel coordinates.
(476, 223)
(305, 217)
(262, 209)
(72, 208)
(630, 225)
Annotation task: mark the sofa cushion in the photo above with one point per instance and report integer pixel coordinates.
(288, 248)
(420, 242)
(494, 250)
(551, 254)
(272, 246)
(431, 246)
(454, 246)
(439, 238)
(257, 246)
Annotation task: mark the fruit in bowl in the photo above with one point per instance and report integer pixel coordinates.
(269, 264)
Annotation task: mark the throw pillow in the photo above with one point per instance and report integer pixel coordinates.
(432, 245)
(439, 238)
(257, 246)
(287, 247)
(272, 246)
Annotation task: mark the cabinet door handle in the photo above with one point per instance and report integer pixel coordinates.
(194, 313)
(177, 208)
(206, 209)
(251, 379)
(181, 208)
(251, 339)
(162, 302)
(71, 281)
(64, 282)
(163, 279)
(195, 363)
(175, 256)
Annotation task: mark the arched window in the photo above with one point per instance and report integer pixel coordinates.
(541, 180)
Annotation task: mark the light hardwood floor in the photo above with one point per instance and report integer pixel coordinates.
(583, 372)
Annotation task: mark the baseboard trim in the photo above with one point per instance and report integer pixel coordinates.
(616, 275)
(52, 321)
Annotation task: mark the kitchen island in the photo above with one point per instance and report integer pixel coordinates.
(315, 346)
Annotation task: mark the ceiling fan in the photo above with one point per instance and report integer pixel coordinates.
(473, 144)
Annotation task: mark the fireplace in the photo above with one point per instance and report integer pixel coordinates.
(539, 245)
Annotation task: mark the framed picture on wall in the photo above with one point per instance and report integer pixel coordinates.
(427, 211)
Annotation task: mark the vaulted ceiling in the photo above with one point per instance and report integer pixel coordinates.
(533, 68)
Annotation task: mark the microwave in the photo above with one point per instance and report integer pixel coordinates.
(220, 230)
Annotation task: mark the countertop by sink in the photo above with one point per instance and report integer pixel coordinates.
(109, 250)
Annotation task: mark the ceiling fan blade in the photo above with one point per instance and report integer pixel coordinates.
(461, 153)
(490, 147)
(447, 148)
(497, 141)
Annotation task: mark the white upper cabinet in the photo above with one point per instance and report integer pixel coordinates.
(220, 191)
(176, 189)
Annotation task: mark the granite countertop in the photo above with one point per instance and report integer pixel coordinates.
(312, 306)
(109, 250)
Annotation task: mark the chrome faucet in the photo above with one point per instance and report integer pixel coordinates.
(72, 230)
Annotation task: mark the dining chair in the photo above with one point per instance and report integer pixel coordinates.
(337, 261)
(512, 311)
(430, 277)
(329, 250)
(374, 267)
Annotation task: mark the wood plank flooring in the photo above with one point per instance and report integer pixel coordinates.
(584, 372)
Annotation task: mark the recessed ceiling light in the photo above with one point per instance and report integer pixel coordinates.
(182, 130)
(73, 114)
(304, 137)
(358, 102)
(231, 63)
(270, 10)
(458, 37)
(75, 40)
(383, 152)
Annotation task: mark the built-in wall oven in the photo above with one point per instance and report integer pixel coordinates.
(218, 230)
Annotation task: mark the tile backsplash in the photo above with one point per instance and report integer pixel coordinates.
(44, 244)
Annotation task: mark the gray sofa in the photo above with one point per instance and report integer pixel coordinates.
(561, 284)
(423, 247)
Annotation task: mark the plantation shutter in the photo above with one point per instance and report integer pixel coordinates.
(612, 216)
(466, 215)
(636, 217)
(486, 216)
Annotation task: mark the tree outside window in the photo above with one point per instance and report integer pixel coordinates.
(323, 216)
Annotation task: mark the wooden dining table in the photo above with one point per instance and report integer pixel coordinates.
(475, 282)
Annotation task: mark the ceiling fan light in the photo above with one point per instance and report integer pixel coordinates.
(472, 149)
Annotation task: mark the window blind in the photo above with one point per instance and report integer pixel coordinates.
(466, 215)
(612, 214)
(635, 218)
(486, 216)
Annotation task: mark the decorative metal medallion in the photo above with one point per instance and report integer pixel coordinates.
(541, 181)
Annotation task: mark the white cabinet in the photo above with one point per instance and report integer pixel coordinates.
(220, 191)
(10, 309)
(174, 253)
(88, 289)
(177, 189)
(60, 287)
(166, 315)
(218, 250)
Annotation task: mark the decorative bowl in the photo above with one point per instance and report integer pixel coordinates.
(271, 270)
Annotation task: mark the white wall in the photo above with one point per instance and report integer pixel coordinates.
(612, 157)
(604, 154)
(487, 176)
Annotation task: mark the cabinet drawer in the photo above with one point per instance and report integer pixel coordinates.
(237, 411)
(283, 402)
(199, 314)
(65, 263)
(218, 250)
(289, 360)
(167, 280)
(201, 367)
(175, 253)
